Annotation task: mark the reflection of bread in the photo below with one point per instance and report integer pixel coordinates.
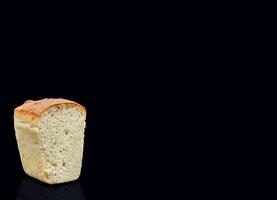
(50, 135)
(31, 189)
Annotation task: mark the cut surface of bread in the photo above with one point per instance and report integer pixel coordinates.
(50, 138)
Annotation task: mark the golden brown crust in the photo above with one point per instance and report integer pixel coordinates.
(32, 110)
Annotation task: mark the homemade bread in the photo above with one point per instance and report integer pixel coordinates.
(50, 137)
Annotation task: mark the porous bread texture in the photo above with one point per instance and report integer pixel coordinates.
(51, 147)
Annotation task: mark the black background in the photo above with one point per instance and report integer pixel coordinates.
(165, 109)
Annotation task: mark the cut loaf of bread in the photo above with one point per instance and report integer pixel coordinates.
(50, 137)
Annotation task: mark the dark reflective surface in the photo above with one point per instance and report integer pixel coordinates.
(32, 189)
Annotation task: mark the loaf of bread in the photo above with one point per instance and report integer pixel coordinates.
(50, 138)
